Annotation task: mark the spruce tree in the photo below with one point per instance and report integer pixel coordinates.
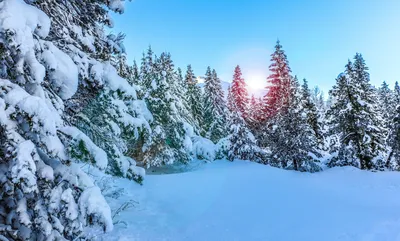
(55, 65)
(355, 120)
(166, 143)
(278, 83)
(310, 109)
(317, 97)
(215, 109)
(387, 105)
(251, 117)
(147, 71)
(289, 137)
(194, 99)
(243, 143)
(179, 88)
(239, 93)
(393, 161)
(397, 93)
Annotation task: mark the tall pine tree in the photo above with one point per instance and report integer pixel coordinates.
(194, 99)
(215, 109)
(393, 161)
(289, 137)
(397, 93)
(310, 109)
(239, 93)
(355, 120)
(278, 83)
(166, 143)
(387, 105)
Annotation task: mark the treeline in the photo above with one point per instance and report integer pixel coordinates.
(291, 127)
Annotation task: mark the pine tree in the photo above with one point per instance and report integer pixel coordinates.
(147, 71)
(166, 145)
(310, 109)
(289, 136)
(179, 88)
(239, 93)
(393, 161)
(397, 92)
(243, 143)
(214, 107)
(194, 99)
(317, 97)
(252, 112)
(53, 68)
(386, 102)
(354, 119)
(136, 74)
(230, 102)
(122, 67)
(278, 83)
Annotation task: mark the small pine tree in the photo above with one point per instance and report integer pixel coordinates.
(239, 93)
(289, 137)
(310, 109)
(243, 143)
(386, 102)
(194, 99)
(215, 108)
(393, 162)
(397, 92)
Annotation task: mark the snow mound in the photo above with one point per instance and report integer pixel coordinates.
(204, 148)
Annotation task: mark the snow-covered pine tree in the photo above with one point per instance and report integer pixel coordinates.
(240, 96)
(114, 121)
(278, 83)
(135, 74)
(256, 117)
(194, 99)
(230, 103)
(79, 32)
(355, 120)
(252, 112)
(215, 109)
(179, 88)
(243, 143)
(50, 59)
(387, 105)
(121, 65)
(147, 71)
(310, 109)
(289, 137)
(317, 97)
(396, 93)
(393, 161)
(170, 134)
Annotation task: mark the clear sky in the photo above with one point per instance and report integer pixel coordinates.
(317, 35)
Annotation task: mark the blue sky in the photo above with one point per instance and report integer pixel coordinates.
(317, 35)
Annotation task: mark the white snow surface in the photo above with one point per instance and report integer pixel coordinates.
(247, 201)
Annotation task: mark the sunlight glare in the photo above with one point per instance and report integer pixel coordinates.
(256, 81)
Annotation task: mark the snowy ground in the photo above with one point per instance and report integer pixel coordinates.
(247, 201)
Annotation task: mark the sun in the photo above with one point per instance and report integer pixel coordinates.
(256, 81)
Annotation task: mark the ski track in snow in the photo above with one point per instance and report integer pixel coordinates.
(248, 201)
